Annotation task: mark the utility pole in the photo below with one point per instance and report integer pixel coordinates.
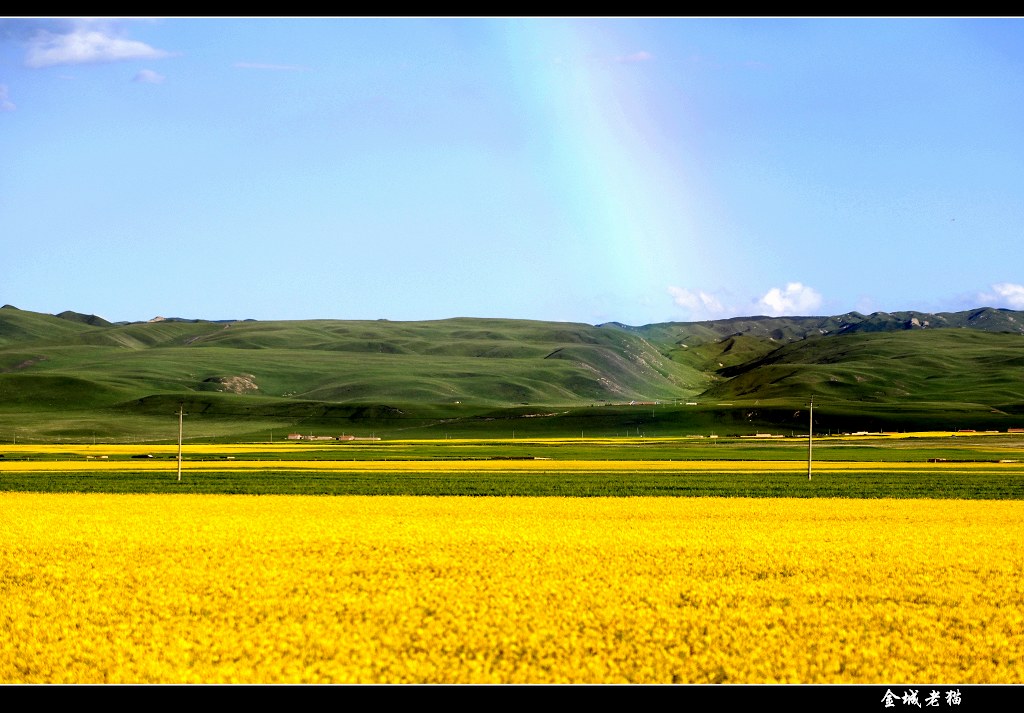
(181, 416)
(810, 439)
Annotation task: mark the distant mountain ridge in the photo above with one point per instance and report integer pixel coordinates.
(991, 319)
(988, 319)
(80, 363)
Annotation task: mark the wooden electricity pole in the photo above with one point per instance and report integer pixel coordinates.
(810, 439)
(181, 416)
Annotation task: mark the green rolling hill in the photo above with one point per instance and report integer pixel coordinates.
(75, 376)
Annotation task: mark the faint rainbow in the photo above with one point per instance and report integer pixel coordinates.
(625, 194)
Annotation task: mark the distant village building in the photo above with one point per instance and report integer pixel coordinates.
(343, 437)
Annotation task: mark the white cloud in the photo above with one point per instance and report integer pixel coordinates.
(795, 299)
(87, 42)
(1005, 294)
(148, 76)
(699, 304)
(5, 103)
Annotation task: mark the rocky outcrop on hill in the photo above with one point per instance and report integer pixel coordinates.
(243, 384)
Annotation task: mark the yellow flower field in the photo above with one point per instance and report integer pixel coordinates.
(497, 466)
(182, 588)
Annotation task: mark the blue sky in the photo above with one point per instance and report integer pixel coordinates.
(574, 169)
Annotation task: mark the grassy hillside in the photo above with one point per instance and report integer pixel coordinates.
(18, 327)
(77, 376)
(946, 365)
(74, 376)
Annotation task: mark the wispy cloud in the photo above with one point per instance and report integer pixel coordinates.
(1004, 294)
(273, 67)
(795, 299)
(85, 42)
(5, 103)
(699, 305)
(148, 76)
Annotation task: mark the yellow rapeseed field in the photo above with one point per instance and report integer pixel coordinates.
(497, 466)
(208, 588)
